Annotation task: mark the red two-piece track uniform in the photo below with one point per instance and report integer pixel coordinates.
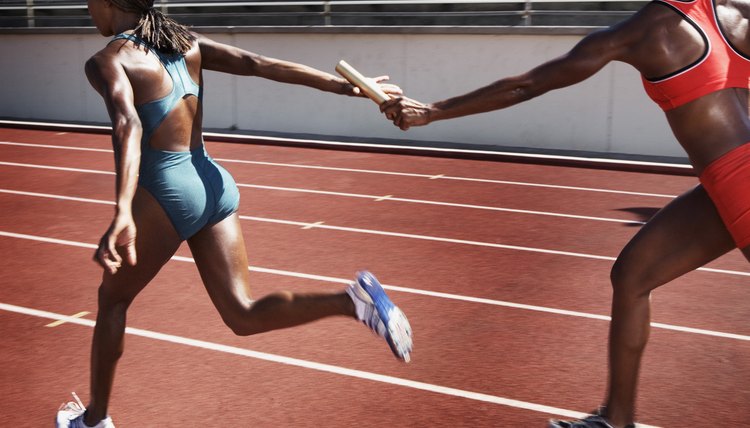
(727, 179)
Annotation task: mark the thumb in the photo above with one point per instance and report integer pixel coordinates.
(130, 256)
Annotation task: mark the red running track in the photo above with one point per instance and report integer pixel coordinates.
(502, 269)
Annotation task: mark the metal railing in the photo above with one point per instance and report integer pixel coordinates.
(51, 13)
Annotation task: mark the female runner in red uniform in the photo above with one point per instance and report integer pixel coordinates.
(694, 56)
(169, 190)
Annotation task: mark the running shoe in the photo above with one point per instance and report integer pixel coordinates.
(596, 420)
(375, 310)
(70, 415)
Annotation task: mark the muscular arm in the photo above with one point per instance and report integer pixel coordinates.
(585, 59)
(229, 59)
(108, 77)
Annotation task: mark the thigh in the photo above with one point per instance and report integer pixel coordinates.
(683, 236)
(219, 252)
(156, 242)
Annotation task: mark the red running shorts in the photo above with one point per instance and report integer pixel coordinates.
(727, 181)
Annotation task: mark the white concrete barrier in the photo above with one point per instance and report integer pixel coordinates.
(42, 78)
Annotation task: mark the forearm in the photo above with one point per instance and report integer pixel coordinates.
(229, 59)
(299, 74)
(584, 60)
(126, 140)
(499, 95)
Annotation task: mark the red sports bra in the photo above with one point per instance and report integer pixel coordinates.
(721, 65)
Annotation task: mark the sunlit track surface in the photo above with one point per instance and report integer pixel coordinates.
(502, 268)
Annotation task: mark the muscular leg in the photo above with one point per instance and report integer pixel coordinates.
(219, 252)
(682, 237)
(156, 242)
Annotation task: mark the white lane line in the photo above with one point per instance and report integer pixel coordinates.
(57, 168)
(445, 177)
(321, 225)
(373, 197)
(305, 364)
(369, 171)
(73, 127)
(560, 187)
(437, 203)
(435, 294)
(60, 197)
(432, 238)
(53, 146)
(467, 242)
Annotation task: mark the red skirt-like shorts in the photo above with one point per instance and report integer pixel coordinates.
(727, 181)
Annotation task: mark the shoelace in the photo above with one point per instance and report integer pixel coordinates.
(74, 406)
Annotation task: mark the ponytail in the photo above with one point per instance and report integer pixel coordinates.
(158, 30)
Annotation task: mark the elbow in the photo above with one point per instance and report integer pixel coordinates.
(528, 90)
(126, 128)
(521, 94)
(252, 64)
(126, 123)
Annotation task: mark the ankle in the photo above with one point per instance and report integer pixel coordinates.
(90, 420)
(615, 418)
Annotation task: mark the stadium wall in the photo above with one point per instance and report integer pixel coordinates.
(609, 114)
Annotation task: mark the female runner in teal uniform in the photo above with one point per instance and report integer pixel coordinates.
(694, 56)
(169, 190)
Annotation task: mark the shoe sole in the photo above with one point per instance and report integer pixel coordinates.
(397, 325)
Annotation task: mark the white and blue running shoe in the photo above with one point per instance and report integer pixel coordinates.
(70, 415)
(375, 309)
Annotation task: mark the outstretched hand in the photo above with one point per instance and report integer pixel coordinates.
(389, 88)
(406, 112)
(120, 237)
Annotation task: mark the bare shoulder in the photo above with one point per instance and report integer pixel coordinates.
(121, 67)
(208, 47)
(202, 42)
(193, 57)
(99, 68)
(734, 19)
(644, 24)
(658, 40)
(101, 58)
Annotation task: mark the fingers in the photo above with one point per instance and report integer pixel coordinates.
(391, 108)
(390, 104)
(394, 110)
(107, 258)
(392, 90)
(401, 123)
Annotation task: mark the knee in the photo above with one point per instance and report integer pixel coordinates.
(110, 299)
(237, 318)
(238, 327)
(619, 276)
(247, 317)
(629, 280)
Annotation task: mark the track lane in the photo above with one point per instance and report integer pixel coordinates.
(514, 350)
(474, 222)
(267, 247)
(268, 244)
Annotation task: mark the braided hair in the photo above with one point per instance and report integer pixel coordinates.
(156, 29)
